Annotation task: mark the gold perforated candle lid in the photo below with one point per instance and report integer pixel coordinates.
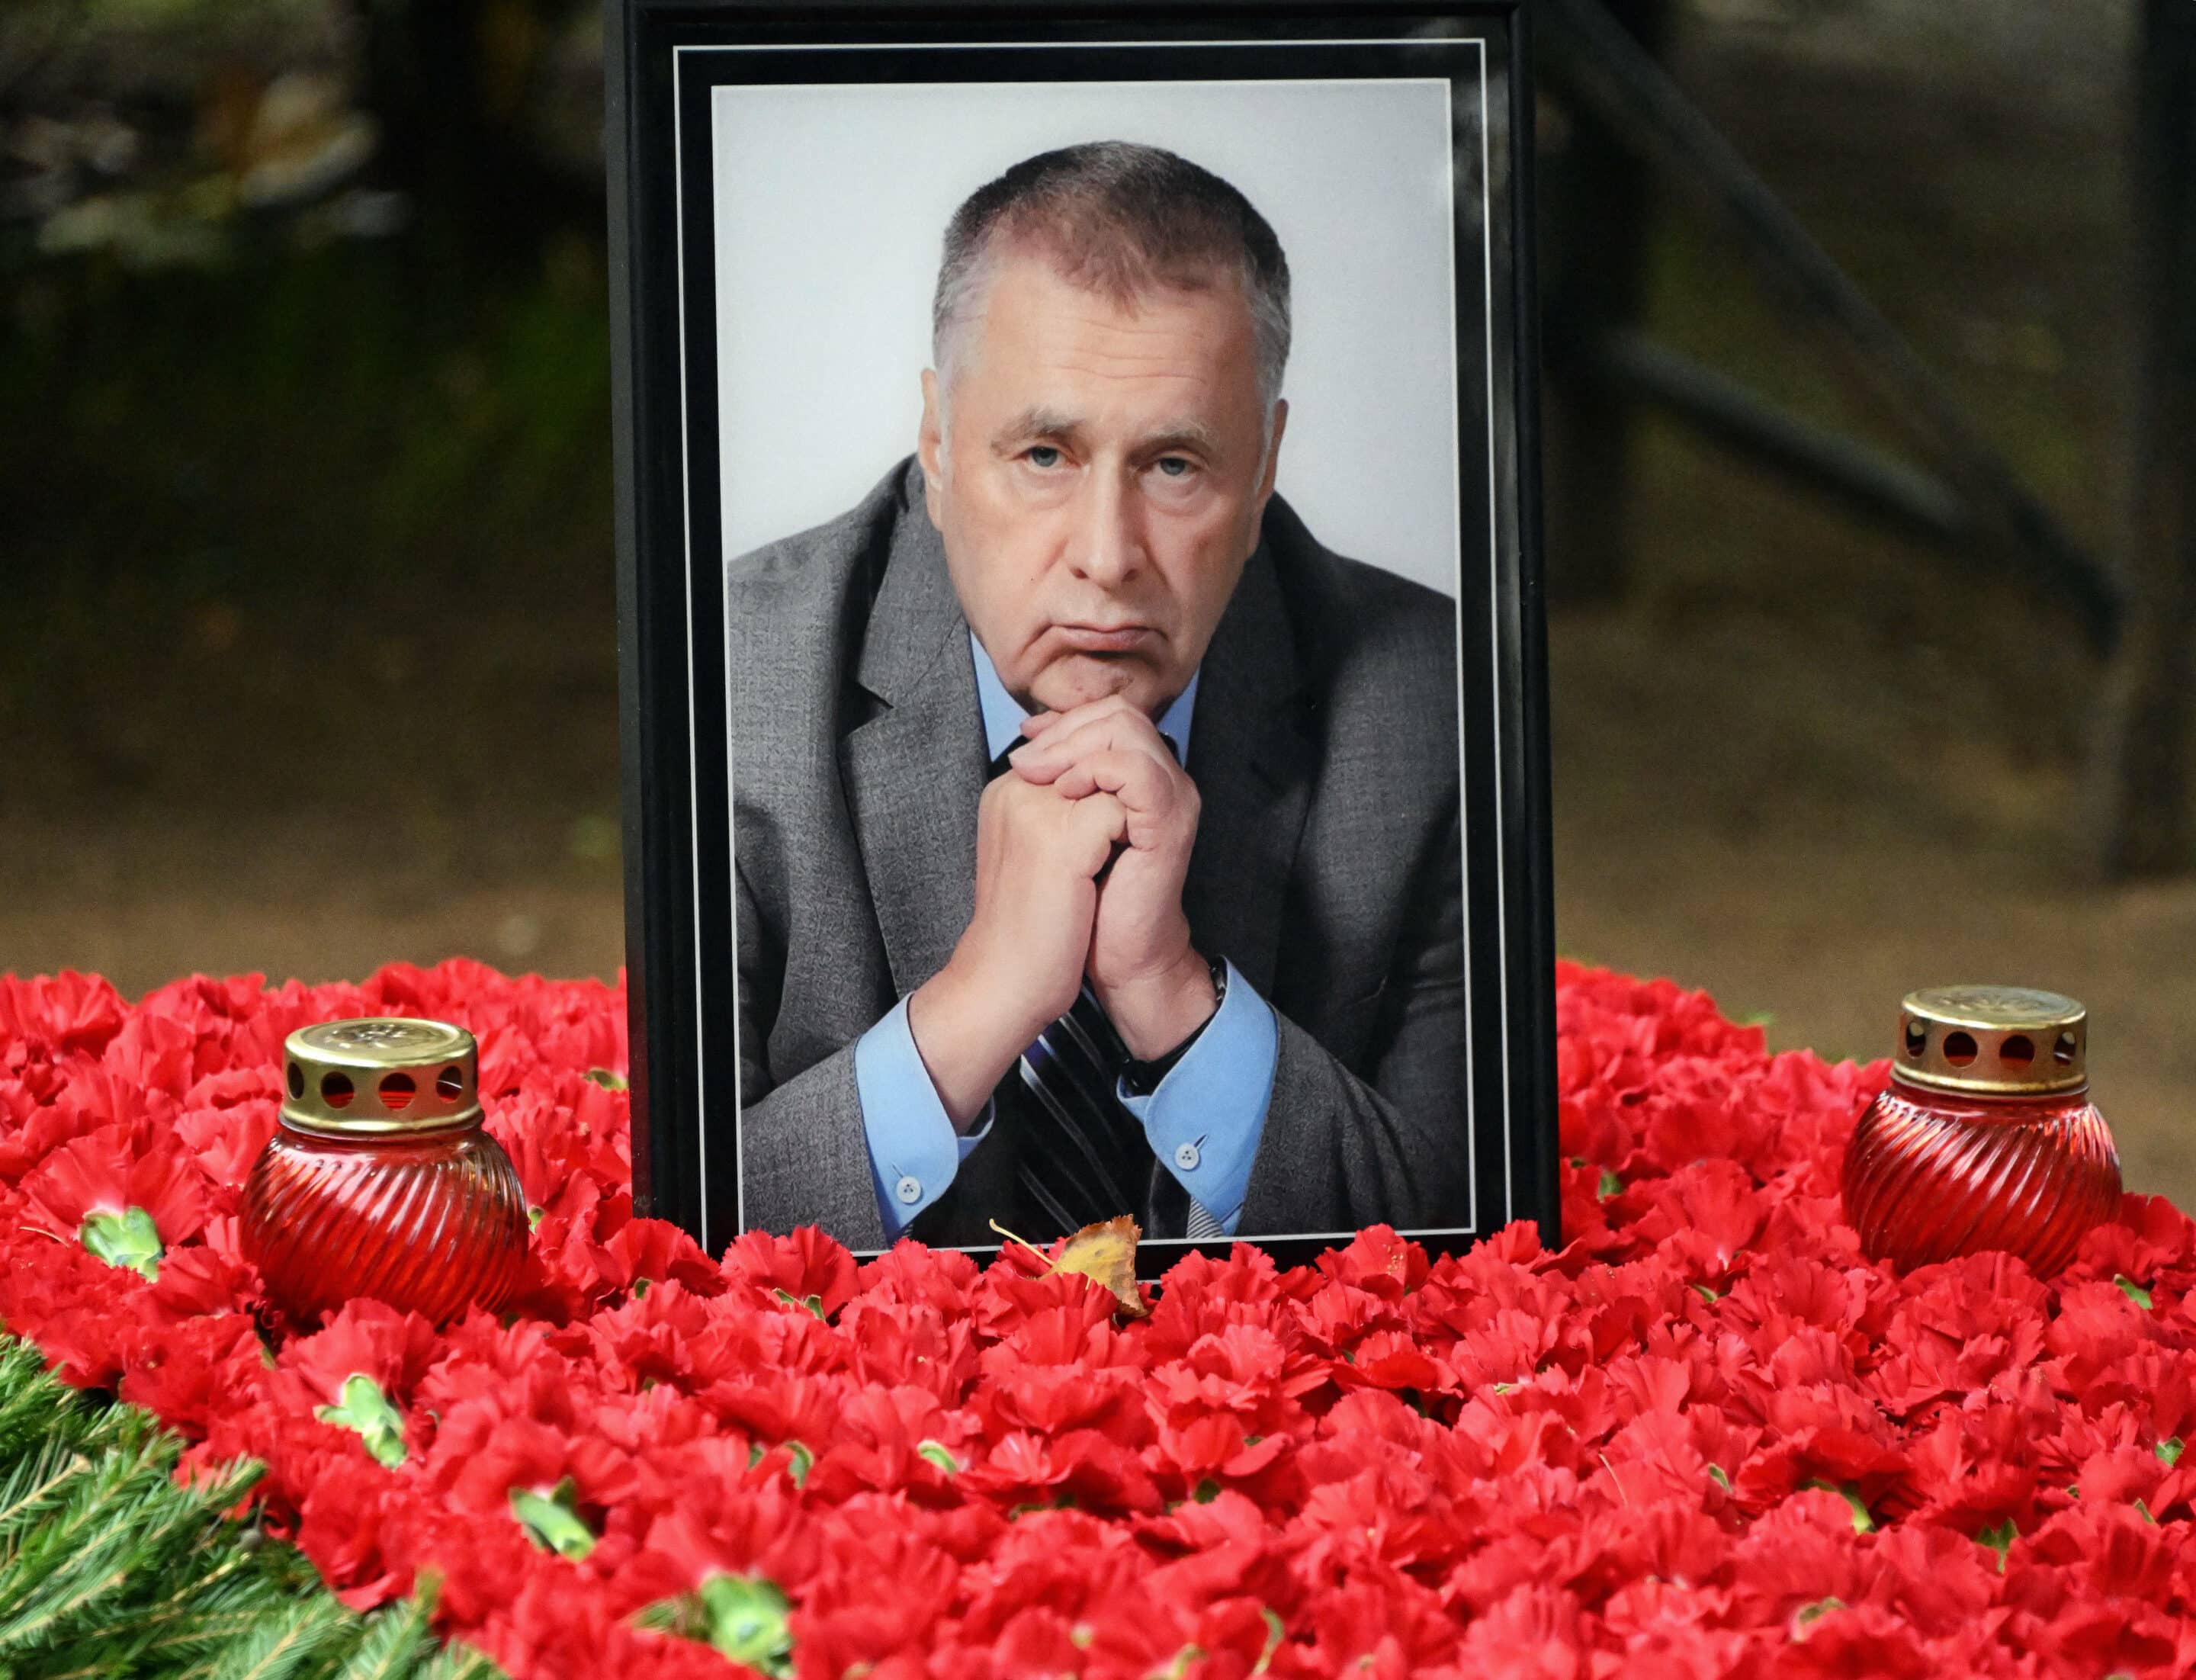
(379, 1076)
(1992, 1041)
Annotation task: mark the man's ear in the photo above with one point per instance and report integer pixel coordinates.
(1274, 450)
(930, 448)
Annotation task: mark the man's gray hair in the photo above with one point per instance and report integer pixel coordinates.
(1122, 220)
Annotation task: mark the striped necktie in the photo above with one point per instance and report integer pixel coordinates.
(1083, 1156)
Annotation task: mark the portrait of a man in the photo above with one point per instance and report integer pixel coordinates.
(1097, 829)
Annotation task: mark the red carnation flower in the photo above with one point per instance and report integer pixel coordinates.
(226, 1140)
(909, 1273)
(1377, 1261)
(1705, 1438)
(190, 1371)
(806, 1265)
(364, 1338)
(100, 1174)
(78, 1014)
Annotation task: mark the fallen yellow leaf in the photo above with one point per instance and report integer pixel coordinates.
(1105, 1253)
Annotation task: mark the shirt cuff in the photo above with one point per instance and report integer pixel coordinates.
(914, 1150)
(1204, 1120)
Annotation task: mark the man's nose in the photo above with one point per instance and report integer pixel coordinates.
(1108, 538)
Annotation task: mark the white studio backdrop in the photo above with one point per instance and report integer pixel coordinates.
(832, 202)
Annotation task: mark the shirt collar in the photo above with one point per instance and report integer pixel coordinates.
(1003, 714)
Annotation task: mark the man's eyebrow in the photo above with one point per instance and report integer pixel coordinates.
(1038, 422)
(1187, 434)
(1044, 422)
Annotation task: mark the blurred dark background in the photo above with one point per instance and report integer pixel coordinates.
(307, 653)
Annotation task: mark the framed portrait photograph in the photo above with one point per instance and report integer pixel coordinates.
(1082, 661)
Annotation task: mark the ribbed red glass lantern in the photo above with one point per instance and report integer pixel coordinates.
(1986, 1137)
(379, 1180)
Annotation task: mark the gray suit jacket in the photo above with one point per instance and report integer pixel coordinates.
(1327, 867)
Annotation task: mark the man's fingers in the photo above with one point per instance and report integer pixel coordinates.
(1143, 787)
(1043, 761)
(1047, 722)
(1101, 822)
(1104, 814)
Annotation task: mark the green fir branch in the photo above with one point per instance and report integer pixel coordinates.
(123, 1524)
(285, 1644)
(111, 1569)
(397, 1643)
(27, 1412)
(35, 1489)
(459, 1662)
(191, 1627)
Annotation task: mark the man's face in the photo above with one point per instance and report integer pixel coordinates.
(1102, 482)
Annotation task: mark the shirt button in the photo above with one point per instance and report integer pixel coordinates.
(910, 1191)
(1186, 1157)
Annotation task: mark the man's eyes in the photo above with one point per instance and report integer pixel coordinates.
(1046, 456)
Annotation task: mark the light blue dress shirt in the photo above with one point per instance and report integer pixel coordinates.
(1204, 1121)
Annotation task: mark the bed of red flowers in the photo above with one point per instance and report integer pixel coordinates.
(1706, 1437)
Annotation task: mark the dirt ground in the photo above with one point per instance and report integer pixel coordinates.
(1805, 765)
(1809, 766)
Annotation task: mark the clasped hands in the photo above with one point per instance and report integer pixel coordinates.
(1081, 852)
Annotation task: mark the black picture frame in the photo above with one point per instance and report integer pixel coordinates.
(662, 57)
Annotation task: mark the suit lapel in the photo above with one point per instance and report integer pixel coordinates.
(914, 771)
(1252, 758)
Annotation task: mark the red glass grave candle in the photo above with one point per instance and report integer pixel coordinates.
(1986, 1137)
(379, 1180)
